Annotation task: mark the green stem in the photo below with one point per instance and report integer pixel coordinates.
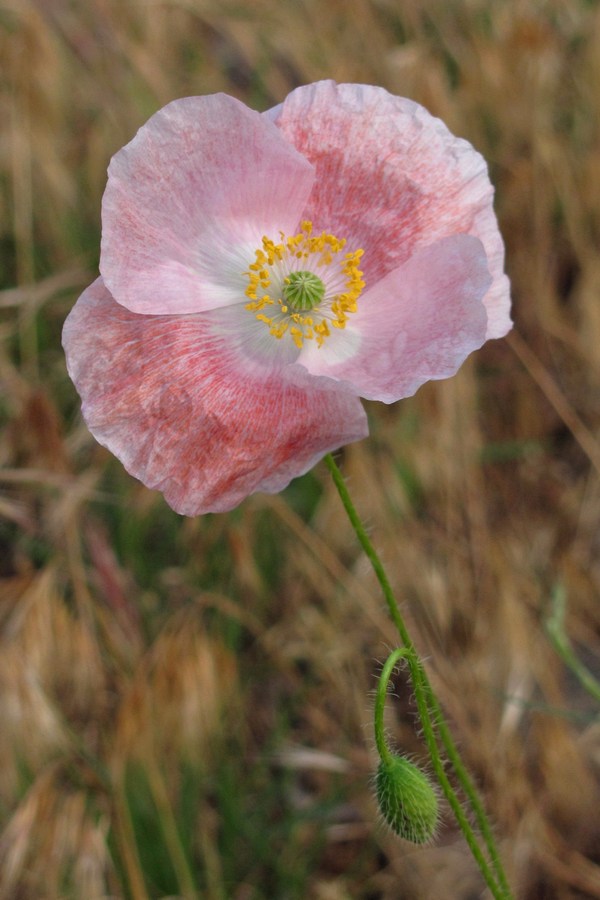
(430, 713)
(431, 719)
(425, 716)
(367, 546)
(467, 786)
(380, 698)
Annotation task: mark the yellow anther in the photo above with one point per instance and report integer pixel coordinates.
(300, 287)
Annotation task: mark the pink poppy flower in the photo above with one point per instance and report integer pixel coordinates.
(260, 273)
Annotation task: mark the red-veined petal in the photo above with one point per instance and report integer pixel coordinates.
(391, 178)
(189, 414)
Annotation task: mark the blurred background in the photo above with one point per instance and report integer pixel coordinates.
(186, 705)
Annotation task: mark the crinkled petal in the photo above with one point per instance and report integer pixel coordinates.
(391, 179)
(188, 201)
(420, 322)
(188, 414)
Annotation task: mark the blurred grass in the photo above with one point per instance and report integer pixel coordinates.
(185, 704)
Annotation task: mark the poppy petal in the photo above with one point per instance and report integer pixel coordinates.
(187, 203)
(189, 414)
(391, 178)
(417, 324)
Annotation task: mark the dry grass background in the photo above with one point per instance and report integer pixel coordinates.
(186, 703)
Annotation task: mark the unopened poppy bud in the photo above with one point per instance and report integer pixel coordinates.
(407, 800)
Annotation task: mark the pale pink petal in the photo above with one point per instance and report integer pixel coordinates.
(420, 322)
(391, 179)
(189, 415)
(188, 201)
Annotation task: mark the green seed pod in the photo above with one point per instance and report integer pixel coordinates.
(407, 800)
(303, 290)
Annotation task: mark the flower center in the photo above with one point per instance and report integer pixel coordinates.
(304, 285)
(303, 290)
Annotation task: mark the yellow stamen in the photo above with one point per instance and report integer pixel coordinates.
(297, 289)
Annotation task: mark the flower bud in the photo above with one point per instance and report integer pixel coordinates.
(407, 800)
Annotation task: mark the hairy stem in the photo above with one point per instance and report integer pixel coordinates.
(430, 715)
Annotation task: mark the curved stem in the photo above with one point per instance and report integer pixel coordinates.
(430, 713)
(380, 698)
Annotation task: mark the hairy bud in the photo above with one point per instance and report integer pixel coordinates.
(407, 800)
